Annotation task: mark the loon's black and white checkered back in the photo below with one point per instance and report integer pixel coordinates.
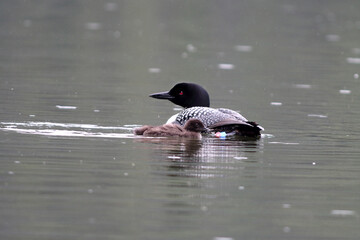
(208, 116)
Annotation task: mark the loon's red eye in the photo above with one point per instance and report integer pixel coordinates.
(181, 93)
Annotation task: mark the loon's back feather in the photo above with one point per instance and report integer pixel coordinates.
(209, 116)
(233, 113)
(228, 122)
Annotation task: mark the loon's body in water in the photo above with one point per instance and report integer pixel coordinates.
(196, 102)
(192, 129)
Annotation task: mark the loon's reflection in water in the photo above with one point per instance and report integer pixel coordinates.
(204, 158)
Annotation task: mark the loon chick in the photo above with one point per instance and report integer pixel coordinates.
(192, 129)
(196, 102)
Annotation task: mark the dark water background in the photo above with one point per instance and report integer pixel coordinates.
(75, 78)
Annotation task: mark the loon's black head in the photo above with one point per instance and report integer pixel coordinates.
(186, 95)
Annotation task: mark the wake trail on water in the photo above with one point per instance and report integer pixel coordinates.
(68, 129)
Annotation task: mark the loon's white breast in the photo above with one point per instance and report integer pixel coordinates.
(172, 119)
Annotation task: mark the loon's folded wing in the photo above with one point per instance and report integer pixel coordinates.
(240, 128)
(233, 113)
(228, 122)
(239, 117)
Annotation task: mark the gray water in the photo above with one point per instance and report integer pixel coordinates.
(74, 81)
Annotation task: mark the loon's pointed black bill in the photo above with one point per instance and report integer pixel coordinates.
(161, 95)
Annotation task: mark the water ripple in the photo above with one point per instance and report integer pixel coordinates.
(65, 129)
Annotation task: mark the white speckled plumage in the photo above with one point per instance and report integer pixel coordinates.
(209, 116)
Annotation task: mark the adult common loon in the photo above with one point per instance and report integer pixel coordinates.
(195, 99)
(192, 129)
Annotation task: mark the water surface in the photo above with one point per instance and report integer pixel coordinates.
(75, 79)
